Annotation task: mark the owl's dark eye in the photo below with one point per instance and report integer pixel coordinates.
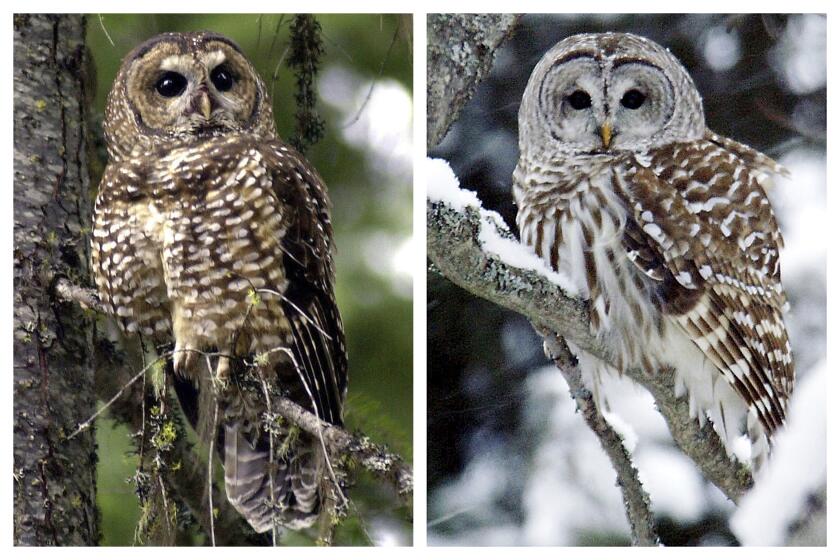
(221, 78)
(633, 99)
(171, 84)
(579, 100)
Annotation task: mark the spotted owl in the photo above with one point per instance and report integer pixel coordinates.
(661, 224)
(212, 239)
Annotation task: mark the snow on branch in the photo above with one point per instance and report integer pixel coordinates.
(475, 250)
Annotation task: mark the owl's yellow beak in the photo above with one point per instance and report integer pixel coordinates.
(606, 134)
(204, 105)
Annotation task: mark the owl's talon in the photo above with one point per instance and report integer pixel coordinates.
(184, 360)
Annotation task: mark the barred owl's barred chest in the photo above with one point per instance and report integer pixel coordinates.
(661, 224)
(677, 252)
(190, 245)
(576, 220)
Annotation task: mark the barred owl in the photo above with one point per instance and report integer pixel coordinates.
(212, 241)
(663, 225)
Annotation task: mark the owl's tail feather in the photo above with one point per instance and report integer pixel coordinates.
(250, 475)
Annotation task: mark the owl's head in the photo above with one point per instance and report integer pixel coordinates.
(608, 93)
(181, 86)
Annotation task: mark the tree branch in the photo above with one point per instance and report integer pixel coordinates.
(636, 499)
(189, 481)
(456, 250)
(461, 49)
(373, 457)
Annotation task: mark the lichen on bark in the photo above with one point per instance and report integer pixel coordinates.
(461, 49)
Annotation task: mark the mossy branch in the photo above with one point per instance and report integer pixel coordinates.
(304, 60)
(372, 456)
(187, 478)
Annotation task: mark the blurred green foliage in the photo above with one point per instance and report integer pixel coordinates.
(369, 205)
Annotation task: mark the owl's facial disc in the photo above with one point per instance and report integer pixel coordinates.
(571, 98)
(595, 103)
(640, 103)
(198, 93)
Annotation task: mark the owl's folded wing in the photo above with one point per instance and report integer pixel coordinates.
(309, 301)
(713, 251)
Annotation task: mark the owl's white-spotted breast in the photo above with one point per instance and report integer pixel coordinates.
(212, 239)
(664, 226)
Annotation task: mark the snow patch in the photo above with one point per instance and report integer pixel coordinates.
(570, 486)
(801, 202)
(443, 186)
(672, 482)
(623, 429)
(797, 468)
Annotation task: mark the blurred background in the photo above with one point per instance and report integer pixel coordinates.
(510, 463)
(365, 96)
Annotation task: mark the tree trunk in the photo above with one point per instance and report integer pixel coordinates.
(54, 478)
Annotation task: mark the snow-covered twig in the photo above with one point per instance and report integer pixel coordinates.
(473, 249)
(636, 499)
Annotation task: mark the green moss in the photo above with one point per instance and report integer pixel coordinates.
(289, 441)
(166, 436)
(157, 375)
(253, 298)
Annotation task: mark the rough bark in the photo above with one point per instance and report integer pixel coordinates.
(461, 50)
(54, 478)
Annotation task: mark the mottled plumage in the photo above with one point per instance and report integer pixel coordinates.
(663, 225)
(213, 238)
